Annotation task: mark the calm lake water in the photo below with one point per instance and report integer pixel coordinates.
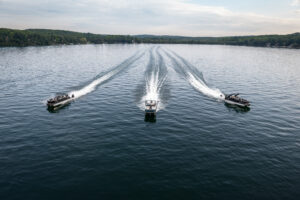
(101, 147)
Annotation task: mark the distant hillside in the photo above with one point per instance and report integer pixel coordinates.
(285, 41)
(41, 37)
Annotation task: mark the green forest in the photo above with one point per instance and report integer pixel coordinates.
(43, 37)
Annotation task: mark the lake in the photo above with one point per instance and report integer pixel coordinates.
(101, 146)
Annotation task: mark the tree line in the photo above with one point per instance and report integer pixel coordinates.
(43, 37)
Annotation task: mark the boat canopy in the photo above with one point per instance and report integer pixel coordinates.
(233, 94)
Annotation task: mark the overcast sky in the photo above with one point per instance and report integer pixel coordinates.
(160, 17)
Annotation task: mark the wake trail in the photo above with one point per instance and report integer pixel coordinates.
(102, 77)
(193, 76)
(155, 76)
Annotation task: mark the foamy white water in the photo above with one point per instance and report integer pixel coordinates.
(153, 86)
(91, 87)
(203, 88)
(196, 81)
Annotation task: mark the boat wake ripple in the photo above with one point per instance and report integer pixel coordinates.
(193, 76)
(105, 76)
(155, 76)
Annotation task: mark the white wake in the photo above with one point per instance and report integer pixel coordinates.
(91, 87)
(153, 87)
(154, 83)
(197, 82)
(203, 88)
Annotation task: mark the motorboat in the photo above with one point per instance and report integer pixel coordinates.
(234, 99)
(150, 107)
(59, 101)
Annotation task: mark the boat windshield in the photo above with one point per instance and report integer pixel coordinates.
(150, 103)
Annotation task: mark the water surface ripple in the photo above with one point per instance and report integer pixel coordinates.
(100, 147)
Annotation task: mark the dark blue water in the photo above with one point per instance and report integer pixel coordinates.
(101, 147)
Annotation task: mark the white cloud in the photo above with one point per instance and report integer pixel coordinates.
(176, 17)
(295, 3)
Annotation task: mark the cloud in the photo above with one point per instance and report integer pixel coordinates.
(295, 3)
(175, 17)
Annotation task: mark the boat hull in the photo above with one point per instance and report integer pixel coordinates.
(236, 103)
(58, 104)
(147, 112)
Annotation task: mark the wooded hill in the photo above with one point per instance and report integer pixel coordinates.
(43, 37)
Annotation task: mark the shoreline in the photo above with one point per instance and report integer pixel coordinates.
(48, 37)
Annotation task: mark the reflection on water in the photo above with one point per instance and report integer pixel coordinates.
(150, 118)
(58, 108)
(237, 108)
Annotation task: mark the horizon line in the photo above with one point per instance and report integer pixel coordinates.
(145, 34)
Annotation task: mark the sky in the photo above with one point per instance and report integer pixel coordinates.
(159, 17)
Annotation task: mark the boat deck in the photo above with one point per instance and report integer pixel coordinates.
(150, 106)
